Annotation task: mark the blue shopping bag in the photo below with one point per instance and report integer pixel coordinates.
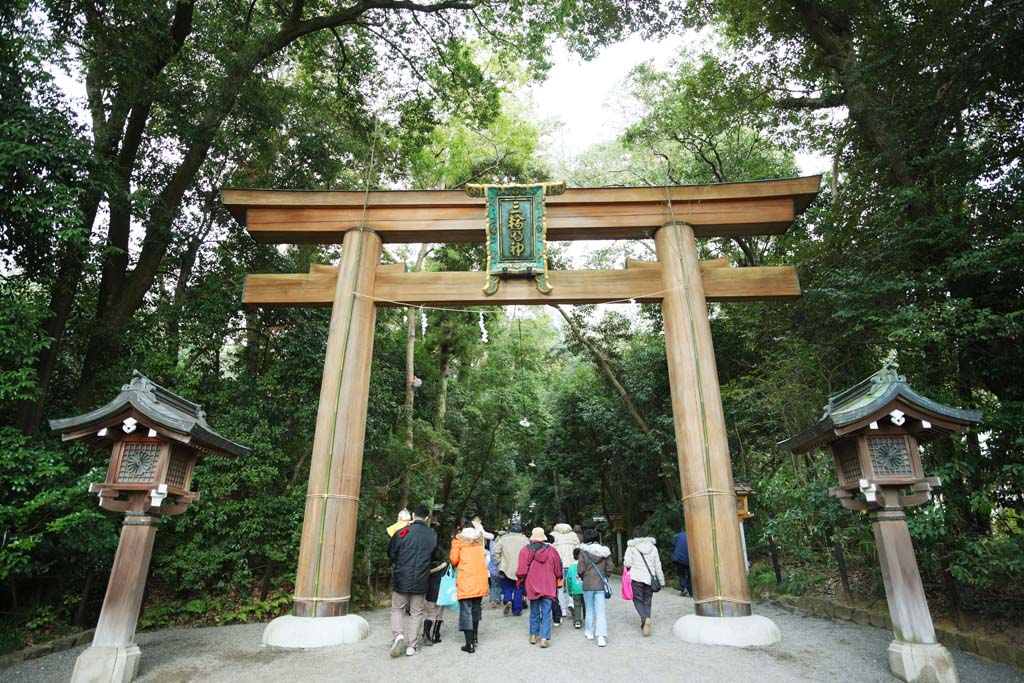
(448, 594)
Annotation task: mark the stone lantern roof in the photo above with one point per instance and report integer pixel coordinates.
(156, 407)
(877, 398)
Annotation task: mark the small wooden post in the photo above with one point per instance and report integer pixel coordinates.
(908, 606)
(120, 612)
(114, 657)
(775, 560)
(709, 500)
(844, 577)
(324, 576)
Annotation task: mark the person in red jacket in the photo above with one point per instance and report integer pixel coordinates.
(540, 569)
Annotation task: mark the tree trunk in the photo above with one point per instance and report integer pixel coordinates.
(120, 117)
(410, 375)
(83, 599)
(62, 298)
(444, 363)
(186, 266)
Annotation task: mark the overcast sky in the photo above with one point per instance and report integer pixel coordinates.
(586, 97)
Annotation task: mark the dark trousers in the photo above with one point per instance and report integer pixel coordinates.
(510, 592)
(578, 609)
(683, 571)
(642, 597)
(469, 614)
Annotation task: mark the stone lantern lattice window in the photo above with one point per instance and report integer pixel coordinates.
(137, 462)
(890, 456)
(179, 468)
(849, 462)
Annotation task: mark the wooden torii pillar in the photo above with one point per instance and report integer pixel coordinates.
(674, 216)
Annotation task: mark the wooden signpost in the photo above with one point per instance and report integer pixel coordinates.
(674, 216)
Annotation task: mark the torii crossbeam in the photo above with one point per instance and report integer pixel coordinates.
(674, 216)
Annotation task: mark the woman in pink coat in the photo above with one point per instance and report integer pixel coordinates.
(540, 568)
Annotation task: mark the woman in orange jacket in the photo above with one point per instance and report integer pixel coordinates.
(471, 582)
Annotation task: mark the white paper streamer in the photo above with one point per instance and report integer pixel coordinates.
(483, 329)
(423, 323)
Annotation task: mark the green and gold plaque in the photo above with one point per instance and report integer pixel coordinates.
(516, 232)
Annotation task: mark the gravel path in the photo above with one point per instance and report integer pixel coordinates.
(812, 649)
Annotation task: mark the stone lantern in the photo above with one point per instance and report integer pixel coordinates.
(875, 430)
(155, 439)
(743, 493)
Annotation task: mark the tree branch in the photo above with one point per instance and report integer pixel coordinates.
(606, 369)
(295, 16)
(811, 103)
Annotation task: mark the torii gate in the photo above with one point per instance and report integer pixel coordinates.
(675, 216)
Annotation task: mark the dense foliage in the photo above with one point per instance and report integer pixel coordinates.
(118, 255)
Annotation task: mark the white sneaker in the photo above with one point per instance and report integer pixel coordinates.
(589, 636)
(410, 651)
(601, 642)
(397, 646)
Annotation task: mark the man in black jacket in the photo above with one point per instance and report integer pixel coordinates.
(409, 551)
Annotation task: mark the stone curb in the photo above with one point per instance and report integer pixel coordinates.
(66, 643)
(989, 648)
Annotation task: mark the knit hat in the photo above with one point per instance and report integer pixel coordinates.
(516, 528)
(538, 534)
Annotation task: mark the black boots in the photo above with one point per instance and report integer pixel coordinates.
(426, 638)
(469, 646)
(436, 637)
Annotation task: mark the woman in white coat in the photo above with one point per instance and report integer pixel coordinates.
(644, 563)
(565, 541)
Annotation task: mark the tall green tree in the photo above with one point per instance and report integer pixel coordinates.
(168, 85)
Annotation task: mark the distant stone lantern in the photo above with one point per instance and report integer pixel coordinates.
(875, 430)
(743, 493)
(156, 437)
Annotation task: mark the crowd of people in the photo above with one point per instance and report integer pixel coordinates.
(557, 576)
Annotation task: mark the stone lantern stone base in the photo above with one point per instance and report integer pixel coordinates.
(921, 663)
(107, 664)
(310, 632)
(750, 631)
